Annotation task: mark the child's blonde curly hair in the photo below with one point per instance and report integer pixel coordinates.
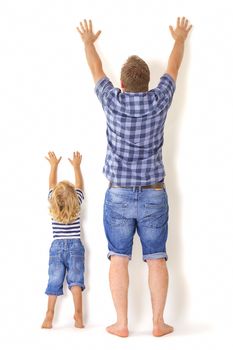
(64, 203)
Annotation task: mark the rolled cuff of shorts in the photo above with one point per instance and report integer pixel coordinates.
(111, 253)
(78, 285)
(155, 256)
(49, 292)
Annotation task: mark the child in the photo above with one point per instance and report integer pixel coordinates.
(66, 254)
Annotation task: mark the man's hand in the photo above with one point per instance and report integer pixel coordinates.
(53, 160)
(86, 33)
(77, 158)
(93, 59)
(179, 34)
(182, 29)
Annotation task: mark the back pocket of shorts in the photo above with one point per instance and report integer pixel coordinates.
(115, 213)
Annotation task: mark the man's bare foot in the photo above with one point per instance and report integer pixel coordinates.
(117, 330)
(48, 320)
(78, 321)
(162, 329)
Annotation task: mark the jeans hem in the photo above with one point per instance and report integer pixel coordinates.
(111, 253)
(78, 285)
(161, 255)
(47, 292)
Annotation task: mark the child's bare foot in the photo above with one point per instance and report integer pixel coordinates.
(117, 330)
(48, 320)
(78, 321)
(162, 329)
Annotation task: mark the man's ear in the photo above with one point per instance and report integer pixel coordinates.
(122, 85)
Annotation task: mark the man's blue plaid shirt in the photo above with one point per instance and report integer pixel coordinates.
(135, 125)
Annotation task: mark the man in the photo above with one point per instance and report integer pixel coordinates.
(136, 198)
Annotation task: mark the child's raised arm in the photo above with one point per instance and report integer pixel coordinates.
(76, 162)
(93, 59)
(53, 169)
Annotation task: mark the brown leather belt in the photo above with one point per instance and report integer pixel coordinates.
(157, 186)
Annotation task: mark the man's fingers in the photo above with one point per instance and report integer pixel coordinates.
(47, 158)
(178, 21)
(85, 25)
(82, 27)
(81, 33)
(90, 25)
(189, 28)
(182, 21)
(97, 34)
(171, 30)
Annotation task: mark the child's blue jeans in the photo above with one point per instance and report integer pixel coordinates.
(66, 257)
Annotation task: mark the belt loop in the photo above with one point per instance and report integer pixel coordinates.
(110, 185)
(139, 188)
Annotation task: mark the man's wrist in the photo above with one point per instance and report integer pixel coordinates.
(88, 44)
(180, 40)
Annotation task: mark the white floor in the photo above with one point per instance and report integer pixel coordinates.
(187, 337)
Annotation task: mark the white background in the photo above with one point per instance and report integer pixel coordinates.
(48, 103)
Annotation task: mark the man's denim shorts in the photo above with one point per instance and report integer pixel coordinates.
(66, 256)
(129, 209)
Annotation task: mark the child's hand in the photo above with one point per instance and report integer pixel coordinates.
(77, 158)
(86, 33)
(53, 159)
(182, 29)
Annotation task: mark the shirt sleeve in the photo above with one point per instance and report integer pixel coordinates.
(103, 89)
(80, 195)
(164, 91)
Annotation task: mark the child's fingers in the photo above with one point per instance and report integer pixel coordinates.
(47, 159)
(70, 161)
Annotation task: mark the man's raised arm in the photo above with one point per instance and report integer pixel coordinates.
(179, 34)
(93, 59)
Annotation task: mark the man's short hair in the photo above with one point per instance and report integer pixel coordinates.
(135, 75)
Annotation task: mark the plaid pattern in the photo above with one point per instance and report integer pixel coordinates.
(135, 125)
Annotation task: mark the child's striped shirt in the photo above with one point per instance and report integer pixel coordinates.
(71, 230)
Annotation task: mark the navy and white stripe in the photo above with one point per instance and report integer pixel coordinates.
(135, 125)
(66, 231)
(71, 230)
